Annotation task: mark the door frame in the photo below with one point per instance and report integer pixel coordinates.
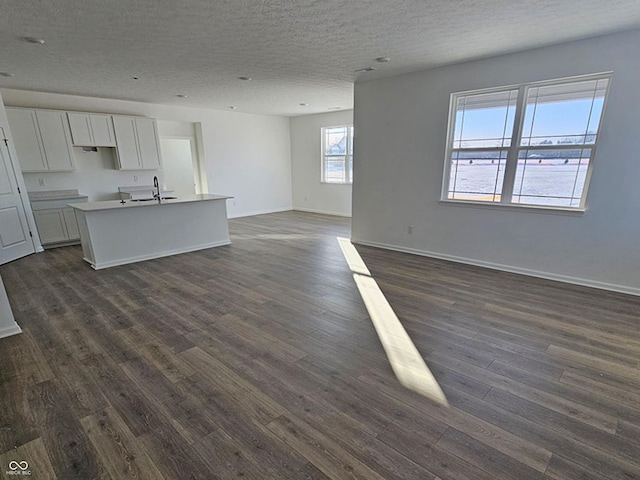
(195, 159)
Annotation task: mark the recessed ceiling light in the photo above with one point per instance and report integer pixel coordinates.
(6, 74)
(304, 104)
(36, 40)
(365, 69)
(244, 79)
(180, 95)
(383, 59)
(232, 107)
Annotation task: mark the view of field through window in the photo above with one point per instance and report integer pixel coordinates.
(552, 148)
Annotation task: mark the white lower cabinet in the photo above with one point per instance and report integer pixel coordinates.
(57, 226)
(70, 221)
(52, 226)
(55, 219)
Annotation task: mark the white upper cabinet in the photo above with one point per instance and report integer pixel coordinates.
(26, 137)
(147, 132)
(92, 130)
(42, 139)
(137, 143)
(127, 143)
(56, 139)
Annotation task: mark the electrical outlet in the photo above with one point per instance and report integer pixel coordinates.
(135, 178)
(42, 182)
(410, 229)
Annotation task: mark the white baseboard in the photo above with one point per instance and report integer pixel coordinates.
(323, 212)
(142, 258)
(10, 330)
(509, 268)
(259, 212)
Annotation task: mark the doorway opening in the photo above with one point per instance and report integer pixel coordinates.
(180, 165)
(182, 157)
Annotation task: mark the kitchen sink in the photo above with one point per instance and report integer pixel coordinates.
(151, 199)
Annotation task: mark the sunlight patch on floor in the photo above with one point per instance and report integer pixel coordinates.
(406, 362)
(273, 236)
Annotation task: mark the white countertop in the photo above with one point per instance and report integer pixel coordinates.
(119, 205)
(47, 195)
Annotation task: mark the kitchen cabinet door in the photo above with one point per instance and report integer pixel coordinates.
(102, 130)
(51, 226)
(91, 130)
(26, 137)
(56, 140)
(147, 133)
(70, 221)
(80, 129)
(126, 143)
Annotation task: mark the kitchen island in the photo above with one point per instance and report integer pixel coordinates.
(118, 232)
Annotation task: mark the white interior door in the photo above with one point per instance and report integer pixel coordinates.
(15, 238)
(178, 162)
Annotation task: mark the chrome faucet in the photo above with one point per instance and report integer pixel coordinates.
(156, 185)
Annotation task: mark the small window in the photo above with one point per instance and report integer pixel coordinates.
(337, 154)
(526, 145)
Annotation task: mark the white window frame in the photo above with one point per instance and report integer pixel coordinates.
(348, 165)
(515, 147)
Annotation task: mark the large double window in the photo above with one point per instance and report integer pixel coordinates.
(531, 144)
(337, 154)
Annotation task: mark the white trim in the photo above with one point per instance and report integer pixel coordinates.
(541, 83)
(323, 212)
(508, 268)
(521, 207)
(260, 212)
(142, 258)
(10, 330)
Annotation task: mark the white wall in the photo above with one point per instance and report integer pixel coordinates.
(401, 126)
(246, 156)
(8, 325)
(309, 194)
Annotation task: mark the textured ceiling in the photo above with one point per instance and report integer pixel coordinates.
(296, 51)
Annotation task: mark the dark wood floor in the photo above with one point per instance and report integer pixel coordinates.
(257, 360)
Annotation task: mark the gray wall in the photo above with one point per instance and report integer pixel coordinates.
(401, 125)
(309, 194)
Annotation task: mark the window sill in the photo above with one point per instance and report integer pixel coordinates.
(576, 212)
